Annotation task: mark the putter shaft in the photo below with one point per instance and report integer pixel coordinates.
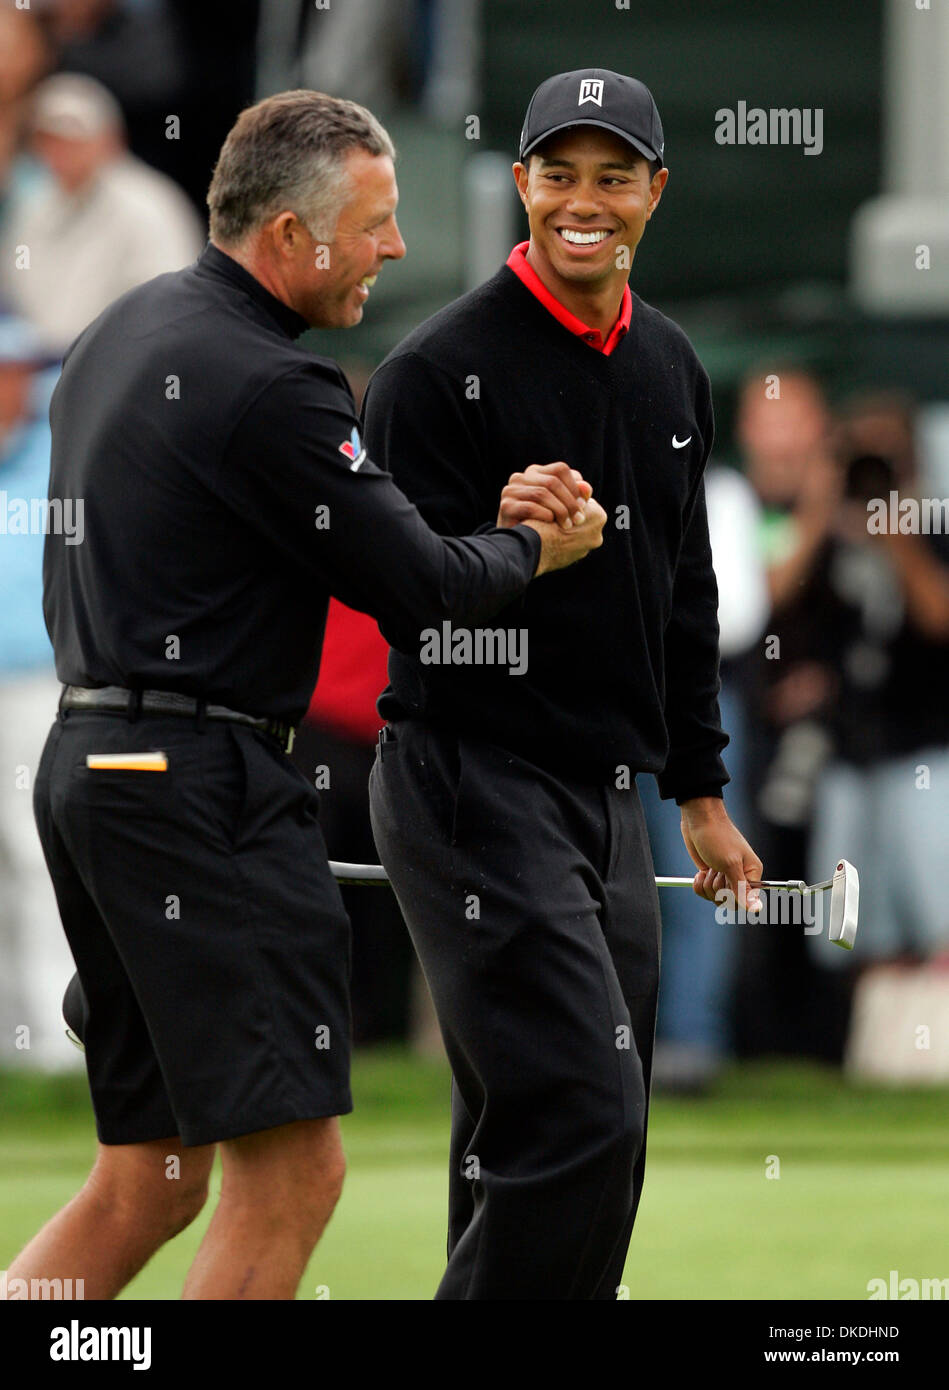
(376, 874)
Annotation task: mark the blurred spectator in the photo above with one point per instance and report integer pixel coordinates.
(853, 718)
(883, 799)
(693, 1035)
(101, 224)
(24, 58)
(335, 750)
(162, 59)
(136, 51)
(783, 429)
(24, 55)
(34, 958)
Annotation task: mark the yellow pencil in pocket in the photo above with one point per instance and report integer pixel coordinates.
(127, 762)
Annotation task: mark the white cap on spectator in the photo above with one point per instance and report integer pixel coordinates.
(75, 107)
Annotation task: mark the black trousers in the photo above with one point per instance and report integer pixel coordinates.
(533, 909)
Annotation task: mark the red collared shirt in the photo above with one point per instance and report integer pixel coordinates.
(518, 262)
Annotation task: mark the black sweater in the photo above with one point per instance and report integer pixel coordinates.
(622, 647)
(225, 511)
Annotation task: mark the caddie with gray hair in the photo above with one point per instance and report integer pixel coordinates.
(228, 495)
(287, 153)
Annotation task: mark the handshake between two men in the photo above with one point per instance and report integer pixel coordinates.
(555, 501)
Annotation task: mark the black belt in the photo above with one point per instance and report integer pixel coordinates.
(113, 699)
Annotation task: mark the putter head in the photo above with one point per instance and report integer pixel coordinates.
(844, 904)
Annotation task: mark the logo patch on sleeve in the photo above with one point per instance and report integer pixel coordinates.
(353, 449)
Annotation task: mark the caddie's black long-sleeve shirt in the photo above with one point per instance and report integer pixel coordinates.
(225, 496)
(622, 650)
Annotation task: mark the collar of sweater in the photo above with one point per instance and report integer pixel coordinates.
(605, 343)
(531, 312)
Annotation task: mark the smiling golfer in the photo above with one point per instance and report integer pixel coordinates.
(505, 808)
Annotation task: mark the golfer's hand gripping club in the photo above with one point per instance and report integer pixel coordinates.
(723, 857)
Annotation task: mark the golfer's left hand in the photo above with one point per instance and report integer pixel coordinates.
(722, 854)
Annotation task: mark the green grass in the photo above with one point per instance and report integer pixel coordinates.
(864, 1178)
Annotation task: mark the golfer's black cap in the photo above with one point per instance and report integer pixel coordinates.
(594, 96)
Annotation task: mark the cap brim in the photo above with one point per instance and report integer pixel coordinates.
(604, 125)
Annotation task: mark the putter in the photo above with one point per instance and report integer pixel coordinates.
(844, 892)
(844, 903)
(844, 898)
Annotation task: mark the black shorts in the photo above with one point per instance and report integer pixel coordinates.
(207, 929)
